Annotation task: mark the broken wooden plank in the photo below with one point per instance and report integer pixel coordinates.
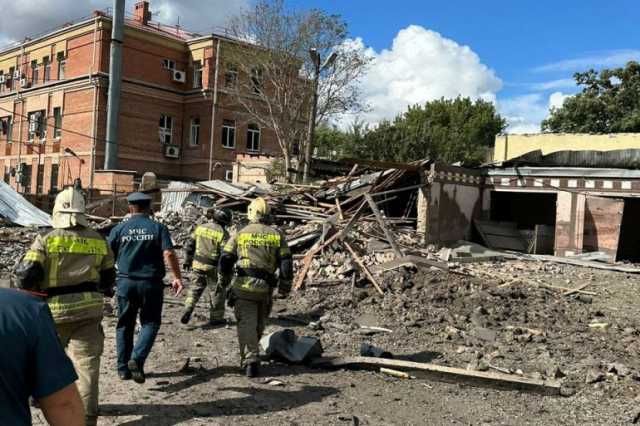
(583, 263)
(410, 260)
(364, 268)
(553, 287)
(385, 228)
(340, 214)
(574, 290)
(306, 263)
(546, 387)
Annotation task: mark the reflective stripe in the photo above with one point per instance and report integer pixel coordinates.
(89, 300)
(34, 256)
(77, 245)
(259, 240)
(211, 234)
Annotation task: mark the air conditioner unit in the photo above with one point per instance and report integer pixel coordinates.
(24, 83)
(172, 151)
(33, 126)
(2, 79)
(179, 76)
(16, 75)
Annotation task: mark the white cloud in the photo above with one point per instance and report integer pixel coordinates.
(524, 113)
(563, 83)
(422, 65)
(19, 19)
(613, 58)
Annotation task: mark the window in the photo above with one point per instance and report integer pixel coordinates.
(194, 139)
(26, 178)
(228, 175)
(40, 179)
(55, 168)
(62, 65)
(229, 134)
(165, 129)
(47, 69)
(3, 78)
(256, 80)
(231, 76)
(6, 128)
(253, 138)
(57, 123)
(197, 74)
(169, 64)
(7, 174)
(12, 81)
(37, 129)
(34, 72)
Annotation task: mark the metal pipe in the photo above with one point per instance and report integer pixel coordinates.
(115, 83)
(213, 110)
(94, 117)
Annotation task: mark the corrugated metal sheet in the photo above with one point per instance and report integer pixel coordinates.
(235, 189)
(618, 159)
(15, 209)
(173, 201)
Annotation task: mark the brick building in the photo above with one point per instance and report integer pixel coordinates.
(177, 119)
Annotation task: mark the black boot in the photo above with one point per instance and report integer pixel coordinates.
(252, 370)
(186, 317)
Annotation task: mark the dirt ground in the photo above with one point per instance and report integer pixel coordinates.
(503, 315)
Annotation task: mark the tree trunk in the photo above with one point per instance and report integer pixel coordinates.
(287, 165)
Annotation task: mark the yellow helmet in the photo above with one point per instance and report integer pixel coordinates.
(69, 209)
(257, 209)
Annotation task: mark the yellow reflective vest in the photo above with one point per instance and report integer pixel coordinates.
(209, 239)
(70, 257)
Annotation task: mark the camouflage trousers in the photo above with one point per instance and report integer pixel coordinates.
(201, 281)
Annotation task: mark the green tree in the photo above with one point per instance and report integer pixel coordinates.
(608, 103)
(446, 130)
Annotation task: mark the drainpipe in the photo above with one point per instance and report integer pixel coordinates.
(115, 83)
(94, 113)
(213, 110)
(22, 114)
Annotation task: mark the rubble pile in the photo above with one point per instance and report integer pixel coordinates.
(15, 242)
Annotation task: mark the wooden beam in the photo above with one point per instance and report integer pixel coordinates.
(385, 229)
(438, 372)
(363, 267)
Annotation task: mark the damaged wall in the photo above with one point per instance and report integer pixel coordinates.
(448, 206)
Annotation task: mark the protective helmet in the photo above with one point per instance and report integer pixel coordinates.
(69, 209)
(257, 210)
(223, 216)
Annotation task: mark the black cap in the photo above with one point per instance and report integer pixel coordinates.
(138, 198)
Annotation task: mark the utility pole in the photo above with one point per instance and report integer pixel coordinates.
(311, 132)
(115, 82)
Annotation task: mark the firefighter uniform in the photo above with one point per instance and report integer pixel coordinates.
(203, 253)
(74, 267)
(258, 251)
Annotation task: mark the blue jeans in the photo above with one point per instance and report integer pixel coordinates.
(137, 296)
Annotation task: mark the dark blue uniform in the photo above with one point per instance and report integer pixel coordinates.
(32, 362)
(138, 245)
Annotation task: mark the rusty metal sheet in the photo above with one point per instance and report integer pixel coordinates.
(602, 220)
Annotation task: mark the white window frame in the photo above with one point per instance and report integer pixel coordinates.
(42, 134)
(46, 73)
(229, 128)
(35, 72)
(197, 74)
(252, 134)
(57, 124)
(165, 129)
(169, 64)
(257, 80)
(62, 66)
(194, 133)
(228, 175)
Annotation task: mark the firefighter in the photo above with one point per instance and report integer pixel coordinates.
(202, 253)
(73, 267)
(258, 251)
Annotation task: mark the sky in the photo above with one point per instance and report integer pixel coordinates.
(519, 54)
